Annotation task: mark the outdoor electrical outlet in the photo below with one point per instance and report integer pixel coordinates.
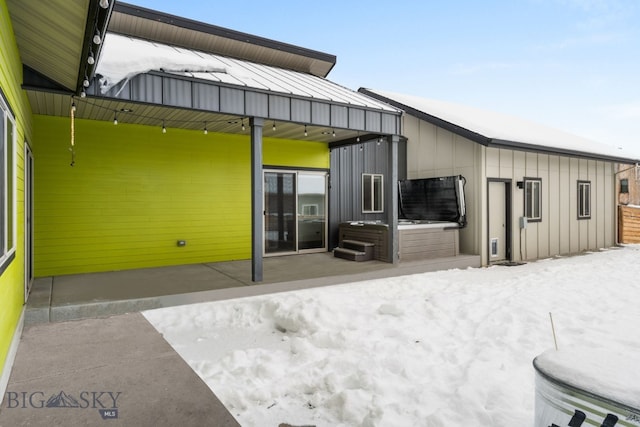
(182, 243)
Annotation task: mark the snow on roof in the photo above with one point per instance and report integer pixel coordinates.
(122, 58)
(502, 127)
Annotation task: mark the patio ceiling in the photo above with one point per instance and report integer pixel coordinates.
(54, 38)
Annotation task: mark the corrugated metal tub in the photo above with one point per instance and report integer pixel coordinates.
(587, 387)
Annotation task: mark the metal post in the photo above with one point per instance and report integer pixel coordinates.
(392, 196)
(257, 210)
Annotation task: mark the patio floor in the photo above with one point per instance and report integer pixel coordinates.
(91, 295)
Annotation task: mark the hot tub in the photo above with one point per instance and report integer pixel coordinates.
(424, 239)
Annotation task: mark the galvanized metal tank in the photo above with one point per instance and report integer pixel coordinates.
(586, 388)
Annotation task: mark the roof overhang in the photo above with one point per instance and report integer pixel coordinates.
(55, 38)
(173, 30)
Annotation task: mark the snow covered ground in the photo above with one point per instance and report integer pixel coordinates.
(450, 348)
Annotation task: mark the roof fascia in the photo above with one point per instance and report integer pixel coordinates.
(492, 142)
(458, 130)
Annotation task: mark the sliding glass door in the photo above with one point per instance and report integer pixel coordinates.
(295, 212)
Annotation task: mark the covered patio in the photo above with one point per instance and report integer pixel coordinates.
(69, 297)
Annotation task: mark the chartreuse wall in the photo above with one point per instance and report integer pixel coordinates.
(133, 192)
(12, 279)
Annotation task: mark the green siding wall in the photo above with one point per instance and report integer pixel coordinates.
(12, 280)
(133, 192)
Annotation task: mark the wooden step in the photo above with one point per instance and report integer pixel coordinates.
(358, 245)
(352, 255)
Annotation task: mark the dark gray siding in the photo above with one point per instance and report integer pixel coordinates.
(348, 163)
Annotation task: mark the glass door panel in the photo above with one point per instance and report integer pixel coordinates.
(280, 212)
(311, 211)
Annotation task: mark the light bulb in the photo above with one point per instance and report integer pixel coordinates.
(104, 4)
(115, 118)
(164, 129)
(73, 107)
(85, 82)
(243, 124)
(83, 94)
(305, 130)
(96, 37)
(333, 133)
(274, 126)
(90, 59)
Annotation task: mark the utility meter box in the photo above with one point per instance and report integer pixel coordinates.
(523, 222)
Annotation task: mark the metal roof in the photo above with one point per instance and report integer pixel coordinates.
(149, 24)
(493, 129)
(279, 82)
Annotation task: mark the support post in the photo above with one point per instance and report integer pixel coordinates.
(257, 210)
(392, 196)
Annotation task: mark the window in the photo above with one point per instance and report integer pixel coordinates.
(624, 185)
(7, 183)
(533, 199)
(584, 199)
(372, 192)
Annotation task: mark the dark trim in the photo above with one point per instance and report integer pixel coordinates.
(524, 198)
(582, 181)
(459, 130)
(294, 168)
(7, 262)
(492, 142)
(214, 30)
(364, 138)
(97, 17)
(6, 101)
(508, 253)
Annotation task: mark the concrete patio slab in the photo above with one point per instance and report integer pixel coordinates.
(115, 371)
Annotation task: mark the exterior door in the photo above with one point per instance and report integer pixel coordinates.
(280, 212)
(312, 218)
(498, 213)
(295, 212)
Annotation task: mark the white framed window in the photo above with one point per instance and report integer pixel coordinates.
(8, 199)
(372, 193)
(584, 199)
(533, 199)
(309, 210)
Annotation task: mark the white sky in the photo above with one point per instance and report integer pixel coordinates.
(570, 64)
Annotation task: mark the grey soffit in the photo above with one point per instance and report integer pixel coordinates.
(148, 24)
(50, 37)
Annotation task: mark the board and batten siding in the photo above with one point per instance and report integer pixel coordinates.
(560, 232)
(12, 280)
(433, 152)
(134, 192)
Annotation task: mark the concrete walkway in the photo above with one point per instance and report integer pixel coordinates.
(117, 371)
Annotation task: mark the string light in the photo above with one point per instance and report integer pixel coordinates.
(83, 94)
(104, 4)
(73, 133)
(205, 128)
(86, 82)
(90, 59)
(115, 117)
(358, 137)
(274, 126)
(305, 130)
(164, 129)
(96, 37)
(243, 125)
(333, 133)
